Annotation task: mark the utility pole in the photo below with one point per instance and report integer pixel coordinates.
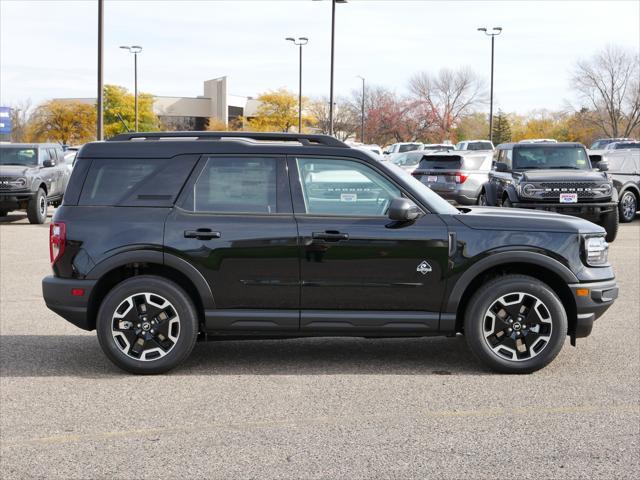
(99, 106)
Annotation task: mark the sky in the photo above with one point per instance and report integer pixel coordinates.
(48, 49)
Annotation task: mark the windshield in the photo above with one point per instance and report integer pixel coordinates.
(409, 147)
(407, 160)
(438, 147)
(551, 157)
(18, 156)
(479, 146)
(436, 203)
(624, 146)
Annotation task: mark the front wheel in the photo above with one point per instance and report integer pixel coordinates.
(515, 324)
(37, 207)
(609, 222)
(628, 206)
(147, 325)
(507, 203)
(482, 199)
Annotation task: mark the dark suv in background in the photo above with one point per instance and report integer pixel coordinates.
(624, 169)
(556, 177)
(164, 238)
(32, 176)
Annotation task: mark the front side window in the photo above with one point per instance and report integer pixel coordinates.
(236, 185)
(344, 187)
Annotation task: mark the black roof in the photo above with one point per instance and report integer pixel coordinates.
(170, 144)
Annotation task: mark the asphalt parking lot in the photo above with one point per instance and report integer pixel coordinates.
(312, 408)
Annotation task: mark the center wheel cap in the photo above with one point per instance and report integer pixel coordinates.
(146, 326)
(517, 326)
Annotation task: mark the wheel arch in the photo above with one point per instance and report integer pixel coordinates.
(535, 265)
(114, 270)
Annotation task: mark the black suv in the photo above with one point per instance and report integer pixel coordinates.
(555, 177)
(32, 176)
(162, 240)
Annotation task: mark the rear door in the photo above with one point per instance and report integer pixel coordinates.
(234, 223)
(361, 271)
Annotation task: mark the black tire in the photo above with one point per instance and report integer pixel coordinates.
(548, 343)
(120, 350)
(3, 213)
(628, 206)
(38, 207)
(609, 221)
(482, 199)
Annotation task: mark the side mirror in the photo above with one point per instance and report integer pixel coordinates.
(502, 167)
(603, 166)
(403, 210)
(48, 163)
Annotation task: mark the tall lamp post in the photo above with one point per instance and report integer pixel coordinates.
(333, 44)
(300, 41)
(100, 96)
(135, 49)
(362, 111)
(493, 34)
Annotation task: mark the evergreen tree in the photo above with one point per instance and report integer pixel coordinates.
(501, 129)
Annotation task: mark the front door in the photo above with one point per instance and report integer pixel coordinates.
(235, 225)
(359, 269)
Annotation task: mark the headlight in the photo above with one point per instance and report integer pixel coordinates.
(18, 182)
(604, 189)
(529, 190)
(596, 251)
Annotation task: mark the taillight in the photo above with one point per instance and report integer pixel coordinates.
(460, 177)
(57, 240)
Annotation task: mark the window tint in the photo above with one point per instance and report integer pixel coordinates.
(236, 185)
(111, 181)
(344, 187)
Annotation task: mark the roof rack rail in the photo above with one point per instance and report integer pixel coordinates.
(306, 140)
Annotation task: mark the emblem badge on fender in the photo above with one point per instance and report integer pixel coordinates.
(424, 268)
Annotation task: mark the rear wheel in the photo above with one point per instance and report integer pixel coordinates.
(610, 221)
(37, 207)
(147, 325)
(515, 324)
(628, 206)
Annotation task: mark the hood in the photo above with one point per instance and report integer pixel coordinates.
(520, 219)
(15, 170)
(561, 175)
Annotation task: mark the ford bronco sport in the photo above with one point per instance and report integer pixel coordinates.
(164, 238)
(556, 177)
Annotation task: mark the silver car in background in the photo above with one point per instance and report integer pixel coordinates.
(456, 176)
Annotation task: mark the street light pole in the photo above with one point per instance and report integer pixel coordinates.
(135, 49)
(299, 42)
(495, 32)
(99, 101)
(362, 111)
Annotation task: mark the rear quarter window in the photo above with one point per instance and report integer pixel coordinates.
(135, 182)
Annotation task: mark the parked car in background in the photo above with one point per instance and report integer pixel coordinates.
(32, 176)
(555, 177)
(408, 161)
(440, 147)
(457, 176)
(601, 143)
(375, 149)
(626, 145)
(160, 243)
(70, 157)
(539, 140)
(401, 147)
(624, 170)
(475, 145)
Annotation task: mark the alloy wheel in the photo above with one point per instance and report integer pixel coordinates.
(145, 326)
(629, 205)
(517, 326)
(43, 205)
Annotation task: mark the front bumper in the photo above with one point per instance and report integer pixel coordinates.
(592, 306)
(584, 210)
(11, 200)
(73, 308)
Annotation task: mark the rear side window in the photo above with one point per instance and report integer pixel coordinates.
(236, 185)
(135, 182)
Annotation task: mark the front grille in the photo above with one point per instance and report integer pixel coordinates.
(570, 186)
(554, 189)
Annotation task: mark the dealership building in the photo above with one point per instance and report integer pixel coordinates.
(193, 113)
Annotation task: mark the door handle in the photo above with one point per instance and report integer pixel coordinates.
(202, 234)
(330, 236)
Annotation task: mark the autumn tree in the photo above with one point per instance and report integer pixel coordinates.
(608, 84)
(64, 122)
(447, 96)
(345, 120)
(472, 126)
(119, 111)
(277, 112)
(20, 116)
(501, 129)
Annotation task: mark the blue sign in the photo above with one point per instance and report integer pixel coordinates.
(5, 120)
